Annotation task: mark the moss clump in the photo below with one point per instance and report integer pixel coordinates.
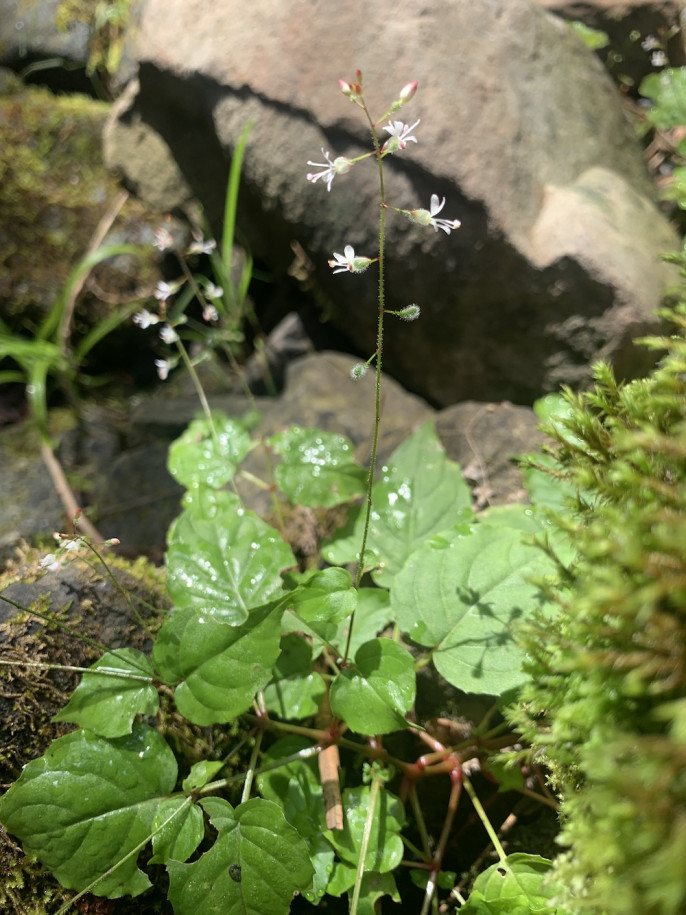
(53, 191)
(607, 706)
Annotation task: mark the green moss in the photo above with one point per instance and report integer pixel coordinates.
(607, 706)
(53, 190)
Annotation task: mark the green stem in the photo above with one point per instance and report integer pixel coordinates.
(379, 354)
(481, 813)
(377, 781)
(100, 671)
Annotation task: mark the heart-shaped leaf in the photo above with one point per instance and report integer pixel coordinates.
(106, 703)
(516, 885)
(218, 668)
(462, 593)
(373, 694)
(257, 863)
(206, 456)
(420, 493)
(317, 468)
(226, 565)
(88, 802)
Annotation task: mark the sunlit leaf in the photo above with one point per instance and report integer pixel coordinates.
(317, 468)
(206, 456)
(109, 704)
(373, 694)
(217, 668)
(462, 594)
(515, 886)
(226, 565)
(88, 802)
(420, 493)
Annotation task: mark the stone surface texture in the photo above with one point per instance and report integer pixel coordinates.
(521, 130)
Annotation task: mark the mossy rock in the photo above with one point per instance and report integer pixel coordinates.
(54, 192)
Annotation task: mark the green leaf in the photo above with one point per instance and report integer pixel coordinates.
(218, 668)
(374, 886)
(462, 593)
(667, 89)
(108, 704)
(296, 788)
(516, 885)
(420, 493)
(225, 565)
(385, 849)
(88, 802)
(372, 616)
(201, 773)
(594, 39)
(317, 468)
(199, 458)
(179, 837)
(256, 864)
(295, 690)
(327, 596)
(373, 695)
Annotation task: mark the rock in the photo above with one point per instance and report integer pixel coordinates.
(515, 112)
(635, 29)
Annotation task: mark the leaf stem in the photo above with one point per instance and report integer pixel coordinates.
(377, 782)
(481, 813)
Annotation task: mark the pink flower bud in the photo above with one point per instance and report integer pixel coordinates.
(346, 88)
(407, 92)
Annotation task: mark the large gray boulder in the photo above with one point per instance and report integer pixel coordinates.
(558, 259)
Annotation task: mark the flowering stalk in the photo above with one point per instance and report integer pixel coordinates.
(399, 135)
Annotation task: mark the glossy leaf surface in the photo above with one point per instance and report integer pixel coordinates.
(201, 458)
(108, 705)
(317, 468)
(373, 694)
(385, 849)
(256, 864)
(226, 565)
(217, 668)
(295, 691)
(88, 802)
(420, 493)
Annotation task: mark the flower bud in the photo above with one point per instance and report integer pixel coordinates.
(407, 92)
(358, 371)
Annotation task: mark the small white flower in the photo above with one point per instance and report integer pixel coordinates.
(164, 290)
(163, 366)
(164, 240)
(50, 563)
(168, 334)
(145, 319)
(659, 59)
(348, 262)
(210, 314)
(213, 292)
(201, 245)
(649, 43)
(428, 217)
(399, 136)
(338, 166)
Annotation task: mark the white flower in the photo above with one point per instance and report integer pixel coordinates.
(210, 314)
(649, 43)
(145, 319)
(428, 217)
(50, 563)
(168, 334)
(162, 366)
(659, 59)
(339, 166)
(399, 136)
(164, 240)
(164, 290)
(348, 261)
(201, 245)
(213, 292)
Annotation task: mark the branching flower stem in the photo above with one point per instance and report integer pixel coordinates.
(379, 354)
